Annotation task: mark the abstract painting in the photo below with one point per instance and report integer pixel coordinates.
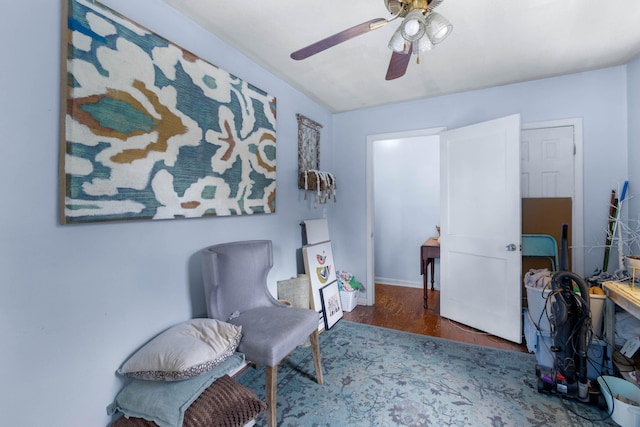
(151, 131)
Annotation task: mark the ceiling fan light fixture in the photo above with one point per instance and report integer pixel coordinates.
(397, 43)
(438, 27)
(413, 26)
(422, 45)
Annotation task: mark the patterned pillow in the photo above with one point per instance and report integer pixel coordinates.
(184, 351)
(224, 403)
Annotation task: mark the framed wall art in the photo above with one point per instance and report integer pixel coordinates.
(331, 304)
(319, 266)
(152, 131)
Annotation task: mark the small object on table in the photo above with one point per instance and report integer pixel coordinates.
(429, 251)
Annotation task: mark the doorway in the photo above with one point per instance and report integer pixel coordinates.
(372, 140)
(406, 205)
(557, 142)
(577, 198)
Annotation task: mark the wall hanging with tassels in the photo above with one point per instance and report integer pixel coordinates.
(323, 184)
(310, 177)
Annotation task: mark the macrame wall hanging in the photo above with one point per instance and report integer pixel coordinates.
(310, 178)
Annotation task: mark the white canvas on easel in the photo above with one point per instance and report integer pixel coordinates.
(317, 231)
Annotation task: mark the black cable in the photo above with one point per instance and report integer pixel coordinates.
(584, 321)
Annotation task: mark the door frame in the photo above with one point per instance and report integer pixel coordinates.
(577, 229)
(370, 222)
(577, 201)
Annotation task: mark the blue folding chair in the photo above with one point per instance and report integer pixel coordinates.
(541, 246)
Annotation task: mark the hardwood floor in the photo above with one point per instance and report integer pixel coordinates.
(399, 307)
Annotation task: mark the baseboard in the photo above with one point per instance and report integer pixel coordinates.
(396, 282)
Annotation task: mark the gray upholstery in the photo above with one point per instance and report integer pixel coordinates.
(235, 281)
(269, 334)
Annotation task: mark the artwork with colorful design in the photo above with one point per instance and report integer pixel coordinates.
(318, 262)
(151, 131)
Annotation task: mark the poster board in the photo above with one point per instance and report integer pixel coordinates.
(317, 230)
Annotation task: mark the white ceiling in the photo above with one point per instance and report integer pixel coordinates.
(494, 42)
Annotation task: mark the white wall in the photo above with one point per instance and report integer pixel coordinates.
(598, 97)
(76, 300)
(407, 205)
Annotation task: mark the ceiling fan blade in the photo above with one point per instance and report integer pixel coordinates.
(433, 4)
(338, 38)
(398, 64)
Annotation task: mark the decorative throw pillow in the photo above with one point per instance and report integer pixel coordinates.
(224, 403)
(166, 404)
(184, 351)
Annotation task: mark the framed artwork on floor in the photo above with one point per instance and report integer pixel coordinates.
(331, 305)
(319, 266)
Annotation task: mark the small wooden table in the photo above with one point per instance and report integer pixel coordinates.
(429, 251)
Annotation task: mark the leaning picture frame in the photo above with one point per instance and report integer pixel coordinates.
(318, 264)
(331, 305)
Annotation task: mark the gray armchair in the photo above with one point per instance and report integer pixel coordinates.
(235, 284)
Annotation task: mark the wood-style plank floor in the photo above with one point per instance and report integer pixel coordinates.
(399, 307)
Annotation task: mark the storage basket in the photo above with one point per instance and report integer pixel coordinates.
(349, 300)
(295, 290)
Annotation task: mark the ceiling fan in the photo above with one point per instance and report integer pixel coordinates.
(421, 29)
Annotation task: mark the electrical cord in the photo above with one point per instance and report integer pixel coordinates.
(583, 322)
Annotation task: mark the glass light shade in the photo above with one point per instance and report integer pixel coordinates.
(438, 27)
(398, 43)
(422, 45)
(413, 26)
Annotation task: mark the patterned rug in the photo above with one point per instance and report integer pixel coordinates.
(381, 377)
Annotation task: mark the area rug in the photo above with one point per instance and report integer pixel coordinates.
(381, 377)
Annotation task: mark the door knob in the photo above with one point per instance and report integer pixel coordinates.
(511, 247)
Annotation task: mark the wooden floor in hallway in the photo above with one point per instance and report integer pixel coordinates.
(400, 308)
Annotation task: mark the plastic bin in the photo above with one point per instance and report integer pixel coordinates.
(349, 300)
(600, 359)
(544, 356)
(623, 413)
(539, 306)
(540, 342)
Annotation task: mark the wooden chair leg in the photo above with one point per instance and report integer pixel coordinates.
(271, 379)
(315, 348)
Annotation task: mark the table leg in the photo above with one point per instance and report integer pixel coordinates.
(609, 322)
(425, 281)
(433, 275)
(429, 266)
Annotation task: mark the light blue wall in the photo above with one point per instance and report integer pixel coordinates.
(633, 97)
(407, 166)
(76, 300)
(598, 97)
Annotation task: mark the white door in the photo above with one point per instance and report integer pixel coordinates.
(480, 269)
(546, 166)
